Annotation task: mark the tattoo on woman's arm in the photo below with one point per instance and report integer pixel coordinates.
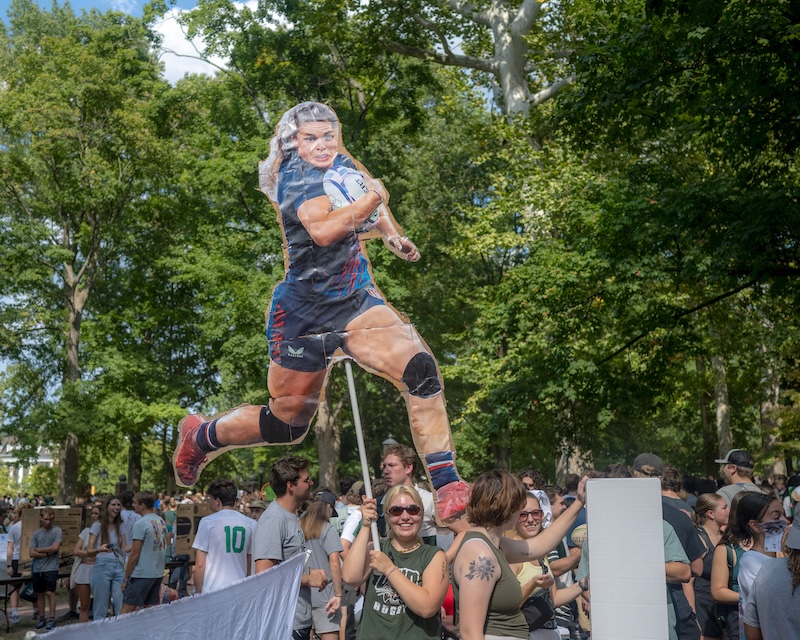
(482, 568)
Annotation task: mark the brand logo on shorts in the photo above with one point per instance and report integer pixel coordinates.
(296, 353)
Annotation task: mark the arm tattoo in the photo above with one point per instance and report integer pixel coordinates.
(482, 568)
(444, 571)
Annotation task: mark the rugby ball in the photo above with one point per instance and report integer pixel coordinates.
(344, 186)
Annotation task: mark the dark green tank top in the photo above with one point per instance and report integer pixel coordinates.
(385, 614)
(504, 617)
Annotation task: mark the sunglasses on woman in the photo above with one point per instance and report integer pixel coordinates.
(536, 514)
(397, 510)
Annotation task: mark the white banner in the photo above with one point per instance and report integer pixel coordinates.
(260, 607)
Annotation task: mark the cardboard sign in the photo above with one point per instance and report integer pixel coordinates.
(626, 564)
(68, 519)
(187, 519)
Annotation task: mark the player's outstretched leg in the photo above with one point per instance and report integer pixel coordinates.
(202, 439)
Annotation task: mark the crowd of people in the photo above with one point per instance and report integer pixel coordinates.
(516, 567)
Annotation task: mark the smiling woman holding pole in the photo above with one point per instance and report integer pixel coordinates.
(407, 580)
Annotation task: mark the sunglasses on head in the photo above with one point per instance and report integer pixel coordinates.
(397, 510)
(535, 514)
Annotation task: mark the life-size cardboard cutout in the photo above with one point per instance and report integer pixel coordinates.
(328, 307)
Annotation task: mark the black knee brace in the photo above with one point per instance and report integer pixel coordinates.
(421, 377)
(276, 431)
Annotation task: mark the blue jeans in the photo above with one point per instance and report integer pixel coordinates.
(107, 583)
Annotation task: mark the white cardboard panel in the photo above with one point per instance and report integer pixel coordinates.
(626, 559)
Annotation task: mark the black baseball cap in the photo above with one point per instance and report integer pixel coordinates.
(326, 497)
(649, 464)
(739, 457)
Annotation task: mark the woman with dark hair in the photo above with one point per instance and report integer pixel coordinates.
(725, 574)
(326, 305)
(107, 544)
(757, 516)
(773, 609)
(407, 579)
(711, 516)
(325, 547)
(486, 590)
(536, 578)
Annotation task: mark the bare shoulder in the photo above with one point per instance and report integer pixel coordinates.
(476, 561)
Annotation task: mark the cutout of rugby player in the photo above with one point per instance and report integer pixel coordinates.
(327, 305)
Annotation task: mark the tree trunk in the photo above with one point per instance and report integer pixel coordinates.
(510, 51)
(68, 456)
(166, 461)
(328, 434)
(771, 422)
(709, 432)
(724, 438)
(501, 451)
(135, 462)
(67, 487)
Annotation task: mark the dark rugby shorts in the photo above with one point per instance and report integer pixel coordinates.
(305, 329)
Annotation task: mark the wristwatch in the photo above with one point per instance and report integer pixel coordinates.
(583, 585)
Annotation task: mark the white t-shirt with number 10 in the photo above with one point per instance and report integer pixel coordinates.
(227, 537)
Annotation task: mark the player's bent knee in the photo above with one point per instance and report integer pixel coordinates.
(421, 377)
(276, 431)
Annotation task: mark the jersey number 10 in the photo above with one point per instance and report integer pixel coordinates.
(234, 539)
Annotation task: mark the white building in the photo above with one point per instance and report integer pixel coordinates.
(8, 458)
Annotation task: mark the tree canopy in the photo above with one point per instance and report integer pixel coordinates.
(605, 196)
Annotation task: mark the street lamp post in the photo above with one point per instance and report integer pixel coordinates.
(262, 467)
(389, 441)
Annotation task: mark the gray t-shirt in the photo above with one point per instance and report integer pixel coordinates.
(321, 548)
(730, 490)
(772, 606)
(279, 537)
(45, 538)
(113, 542)
(152, 531)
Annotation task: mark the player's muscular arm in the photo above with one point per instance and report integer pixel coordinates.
(326, 226)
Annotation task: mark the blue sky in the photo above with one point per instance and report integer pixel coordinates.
(174, 42)
(133, 7)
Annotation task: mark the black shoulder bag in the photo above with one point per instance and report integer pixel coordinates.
(538, 609)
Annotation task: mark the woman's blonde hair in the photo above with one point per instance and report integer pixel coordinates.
(705, 503)
(314, 520)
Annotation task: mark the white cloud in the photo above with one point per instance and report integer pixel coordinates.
(179, 54)
(126, 6)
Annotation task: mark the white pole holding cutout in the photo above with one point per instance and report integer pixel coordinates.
(362, 450)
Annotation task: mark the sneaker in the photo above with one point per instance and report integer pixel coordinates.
(41, 624)
(189, 459)
(451, 501)
(14, 618)
(51, 624)
(69, 615)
